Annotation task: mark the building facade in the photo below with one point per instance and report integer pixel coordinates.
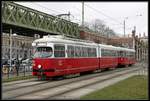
(97, 38)
(141, 46)
(21, 46)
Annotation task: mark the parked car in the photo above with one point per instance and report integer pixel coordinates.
(4, 61)
(27, 63)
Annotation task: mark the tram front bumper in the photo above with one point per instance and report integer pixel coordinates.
(41, 71)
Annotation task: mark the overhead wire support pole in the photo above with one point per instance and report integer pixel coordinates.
(10, 64)
(83, 14)
(124, 27)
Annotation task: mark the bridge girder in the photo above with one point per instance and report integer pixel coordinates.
(17, 15)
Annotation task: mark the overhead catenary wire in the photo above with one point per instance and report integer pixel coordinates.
(79, 9)
(119, 24)
(53, 10)
(47, 8)
(100, 12)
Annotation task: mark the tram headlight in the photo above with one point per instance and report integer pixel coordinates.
(39, 66)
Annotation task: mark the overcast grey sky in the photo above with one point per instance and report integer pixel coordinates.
(112, 13)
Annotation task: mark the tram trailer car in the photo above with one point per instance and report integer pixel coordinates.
(126, 57)
(108, 56)
(58, 56)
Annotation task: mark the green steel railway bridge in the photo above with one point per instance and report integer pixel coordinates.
(26, 21)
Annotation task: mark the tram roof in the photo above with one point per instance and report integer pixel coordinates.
(108, 47)
(65, 40)
(116, 48)
(125, 49)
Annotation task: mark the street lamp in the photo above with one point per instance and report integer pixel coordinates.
(11, 46)
(124, 25)
(127, 18)
(58, 17)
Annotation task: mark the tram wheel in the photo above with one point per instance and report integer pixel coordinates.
(43, 77)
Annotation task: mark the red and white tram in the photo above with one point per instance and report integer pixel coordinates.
(126, 56)
(108, 56)
(58, 55)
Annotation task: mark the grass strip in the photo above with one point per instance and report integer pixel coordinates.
(135, 87)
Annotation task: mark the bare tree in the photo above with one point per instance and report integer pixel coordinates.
(109, 32)
(100, 27)
(87, 25)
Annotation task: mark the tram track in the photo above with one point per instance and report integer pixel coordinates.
(51, 85)
(17, 82)
(62, 89)
(80, 87)
(19, 86)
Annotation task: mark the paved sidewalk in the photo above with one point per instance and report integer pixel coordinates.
(15, 74)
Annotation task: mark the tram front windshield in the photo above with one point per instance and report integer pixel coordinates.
(43, 52)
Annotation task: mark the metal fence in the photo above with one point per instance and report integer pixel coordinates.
(13, 71)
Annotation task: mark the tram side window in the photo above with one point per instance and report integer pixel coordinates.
(70, 51)
(85, 51)
(77, 54)
(105, 52)
(80, 51)
(118, 53)
(102, 52)
(121, 54)
(128, 54)
(59, 51)
(125, 54)
(89, 50)
(114, 53)
(94, 52)
(111, 53)
(132, 54)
